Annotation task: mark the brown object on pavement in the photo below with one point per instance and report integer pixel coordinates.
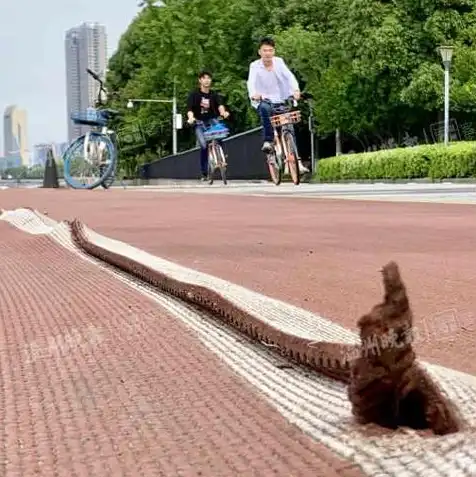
(330, 359)
(313, 239)
(388, 387)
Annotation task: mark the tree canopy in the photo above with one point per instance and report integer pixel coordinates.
(372, 65)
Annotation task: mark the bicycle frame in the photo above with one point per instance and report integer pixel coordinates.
(279, 145)
(284, 154)
(98, 145)
(104, 130)
(102, 146)
(211, 143)
(215, 154)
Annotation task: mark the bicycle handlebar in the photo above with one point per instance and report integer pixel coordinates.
(198, 122)
(290, 99)
(101, 84)
(94, 75)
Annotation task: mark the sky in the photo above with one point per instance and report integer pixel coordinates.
(32, 53)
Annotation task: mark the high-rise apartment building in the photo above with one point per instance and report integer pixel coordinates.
(40, 152)
(15, 136)
(39, 155)
(86, 47)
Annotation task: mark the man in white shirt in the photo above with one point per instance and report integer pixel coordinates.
(270, 78)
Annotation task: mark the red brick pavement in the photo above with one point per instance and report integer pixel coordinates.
(95, 382)
(323, 255)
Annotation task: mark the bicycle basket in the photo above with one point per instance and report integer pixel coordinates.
(91, 117)
(286, 118)
(217, 131)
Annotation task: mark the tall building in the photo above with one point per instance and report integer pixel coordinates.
(40, 152)
(60, 148)
(15, 136)
(86, 47)
(39, 155)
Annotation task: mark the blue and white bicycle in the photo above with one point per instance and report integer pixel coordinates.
(213, 135)
(91, 160)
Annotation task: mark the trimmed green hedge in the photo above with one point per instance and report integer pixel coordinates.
(435, 161)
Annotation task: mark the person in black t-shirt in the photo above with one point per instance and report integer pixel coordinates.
(204, 105)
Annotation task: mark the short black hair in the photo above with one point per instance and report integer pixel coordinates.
(267, 40)
(204, 73)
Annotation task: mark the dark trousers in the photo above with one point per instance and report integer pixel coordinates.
(265, 110)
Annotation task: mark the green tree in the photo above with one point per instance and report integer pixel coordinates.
(374, 65)
(371, 65)
(166, 46)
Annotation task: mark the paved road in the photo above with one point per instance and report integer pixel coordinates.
(100, 386)
(407, 192)
(320, 254)
(330, 249)
(412, 191)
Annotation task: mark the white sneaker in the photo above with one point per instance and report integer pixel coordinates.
(267, 147)
(302, 167)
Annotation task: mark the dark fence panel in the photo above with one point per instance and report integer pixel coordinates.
(245, 160)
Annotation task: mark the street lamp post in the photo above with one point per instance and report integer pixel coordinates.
(311, 132)
(446, 53)
(174, 124)
(176, 121)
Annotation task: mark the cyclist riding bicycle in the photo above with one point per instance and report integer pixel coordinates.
(206, 106)
(270, 78)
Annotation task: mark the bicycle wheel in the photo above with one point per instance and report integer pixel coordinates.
(111, 177)
(212, 162)
(109, 180)
(221, 161)
(275, 170)
(89, 160)
(292, 157)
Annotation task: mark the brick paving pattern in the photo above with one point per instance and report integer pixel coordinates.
(323, 255)
(330, 250)
(95, 381)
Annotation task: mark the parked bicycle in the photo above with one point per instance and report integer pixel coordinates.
(284, 150)
(216, 157)
(91, 160)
